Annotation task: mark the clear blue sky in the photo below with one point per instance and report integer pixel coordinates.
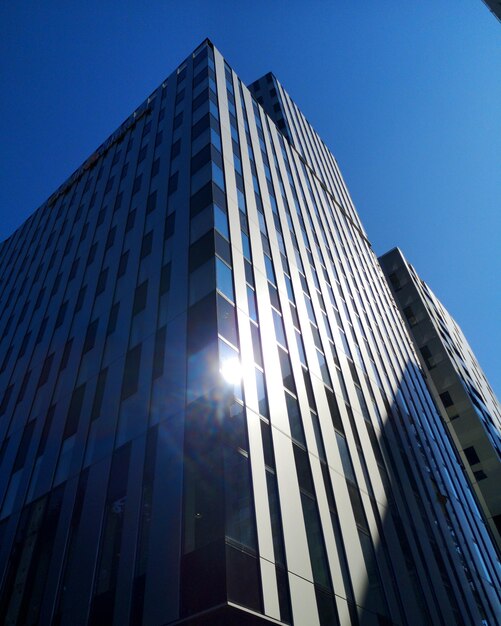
(406, 94)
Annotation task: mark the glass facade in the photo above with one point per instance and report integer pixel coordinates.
(461, 391)
(210, 410)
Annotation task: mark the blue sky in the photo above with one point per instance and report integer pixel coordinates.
(406, 94)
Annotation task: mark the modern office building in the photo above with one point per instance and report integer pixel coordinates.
(494, 7)
(211, 412)
(460, 389)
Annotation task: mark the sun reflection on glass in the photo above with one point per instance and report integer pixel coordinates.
(231, 370)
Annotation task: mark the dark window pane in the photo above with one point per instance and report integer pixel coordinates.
(74, 411)
(122, 266)
(316, 544)
(131, 372)
(147, 244)
(112, 321)
(140, 296)
(90, 337)
(99, 394)
(159, 354)
(165, 279)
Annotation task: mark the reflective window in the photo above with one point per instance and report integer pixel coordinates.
(224, 279)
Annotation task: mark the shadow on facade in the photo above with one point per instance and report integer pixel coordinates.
(428, 569)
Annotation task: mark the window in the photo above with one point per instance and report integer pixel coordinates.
(23, 448)
(5, 399)
(173, 181)
(446, 399)
(122, 266)
(152, 202)
(279, 328)
(101, 282)
(100, 220)
(44, 374)
(80, 298)
(74, 411)
(39, 299)
(176, 149)
(90, 337)
(118, 202)
(140, 296)
(221, 222)
(480, 475)
(224, 279)
(110, 240)
(6, 359)
(178, 120)
(155, 167)
(131, 218)
(295, 422)
(165, 279)
(261, 393)
(169, 226)
(471, 455)
(41, 331)
(24, 386)
(147, 244)
(345, 457)
(66, 354)
(99, 394)
(131, 372)
(112, 321)
(109, 185)
(410, 315)
(92, 253)
(285, 366)
(74, 268)
(226, 320)
(159, 354)
(137, 184)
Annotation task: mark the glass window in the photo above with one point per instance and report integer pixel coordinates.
(295, 421)
(251, 299)
(316, 544)
(240, 522)
(224, 279)
(90, 337)
(279, 328)
(99, 394)
(230, 368)
(246, 246)
(159, 354)
(261, 393)
(226, 320)
(218, 176)
(131, 372)
(285, 365)
(122, 265)
(221, 222)
(140, 296)
(345, 457)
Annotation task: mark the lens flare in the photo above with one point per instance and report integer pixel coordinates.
(231, 370)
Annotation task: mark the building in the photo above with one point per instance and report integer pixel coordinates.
(460, 389)
(494, 7)
(210, 410)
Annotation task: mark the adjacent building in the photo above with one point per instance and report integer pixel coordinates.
(460, 389)
(211, 411)
(495, 7)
